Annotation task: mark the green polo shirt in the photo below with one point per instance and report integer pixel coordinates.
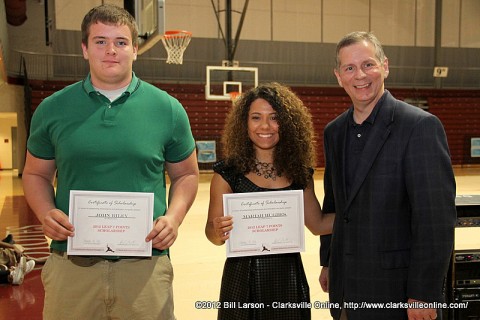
(99, 145)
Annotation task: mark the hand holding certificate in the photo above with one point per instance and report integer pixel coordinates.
(265, 222)
(110, 223)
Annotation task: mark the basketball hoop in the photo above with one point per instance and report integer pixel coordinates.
(234, 95)
(175, 42)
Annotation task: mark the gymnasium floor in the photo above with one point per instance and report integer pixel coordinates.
(197, 263)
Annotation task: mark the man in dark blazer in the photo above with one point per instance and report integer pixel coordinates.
(388, 177)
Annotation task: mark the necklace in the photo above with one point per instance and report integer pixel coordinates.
(265, 169)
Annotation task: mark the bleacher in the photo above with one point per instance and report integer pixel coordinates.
(461, 118)
(459, 111)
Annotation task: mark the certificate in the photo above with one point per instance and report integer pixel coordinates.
(110, 223)
(265, 222)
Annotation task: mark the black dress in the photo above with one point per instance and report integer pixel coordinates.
(269, 281)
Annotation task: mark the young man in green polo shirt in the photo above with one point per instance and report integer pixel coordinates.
(109, 132)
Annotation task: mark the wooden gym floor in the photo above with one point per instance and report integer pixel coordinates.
(197, 263)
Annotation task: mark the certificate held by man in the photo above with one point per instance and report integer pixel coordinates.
(269, 222)
(110, 223)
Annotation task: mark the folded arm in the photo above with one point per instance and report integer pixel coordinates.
(183, 190)
(316, 221)
(38, 186)
(218, 226)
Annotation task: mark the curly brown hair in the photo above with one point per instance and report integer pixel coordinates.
(294, 155)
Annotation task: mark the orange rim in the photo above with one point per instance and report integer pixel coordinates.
(177, 33)
(234, 95)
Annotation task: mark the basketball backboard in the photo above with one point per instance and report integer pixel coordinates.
(222, 80)
(150, 17)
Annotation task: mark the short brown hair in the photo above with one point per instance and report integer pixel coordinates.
(356, 37)
(111, 15)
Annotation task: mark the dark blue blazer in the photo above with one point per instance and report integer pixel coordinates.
(393, 234)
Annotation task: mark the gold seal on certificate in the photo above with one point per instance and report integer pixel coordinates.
(265, 222)
(110, 223)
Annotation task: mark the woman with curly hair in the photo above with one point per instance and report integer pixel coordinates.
(268, 145)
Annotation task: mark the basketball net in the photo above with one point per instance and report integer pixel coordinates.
(175, 42)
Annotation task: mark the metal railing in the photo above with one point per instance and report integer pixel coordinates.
(73, 67)
(47, 66)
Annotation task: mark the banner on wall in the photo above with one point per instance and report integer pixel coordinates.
(206, 151)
